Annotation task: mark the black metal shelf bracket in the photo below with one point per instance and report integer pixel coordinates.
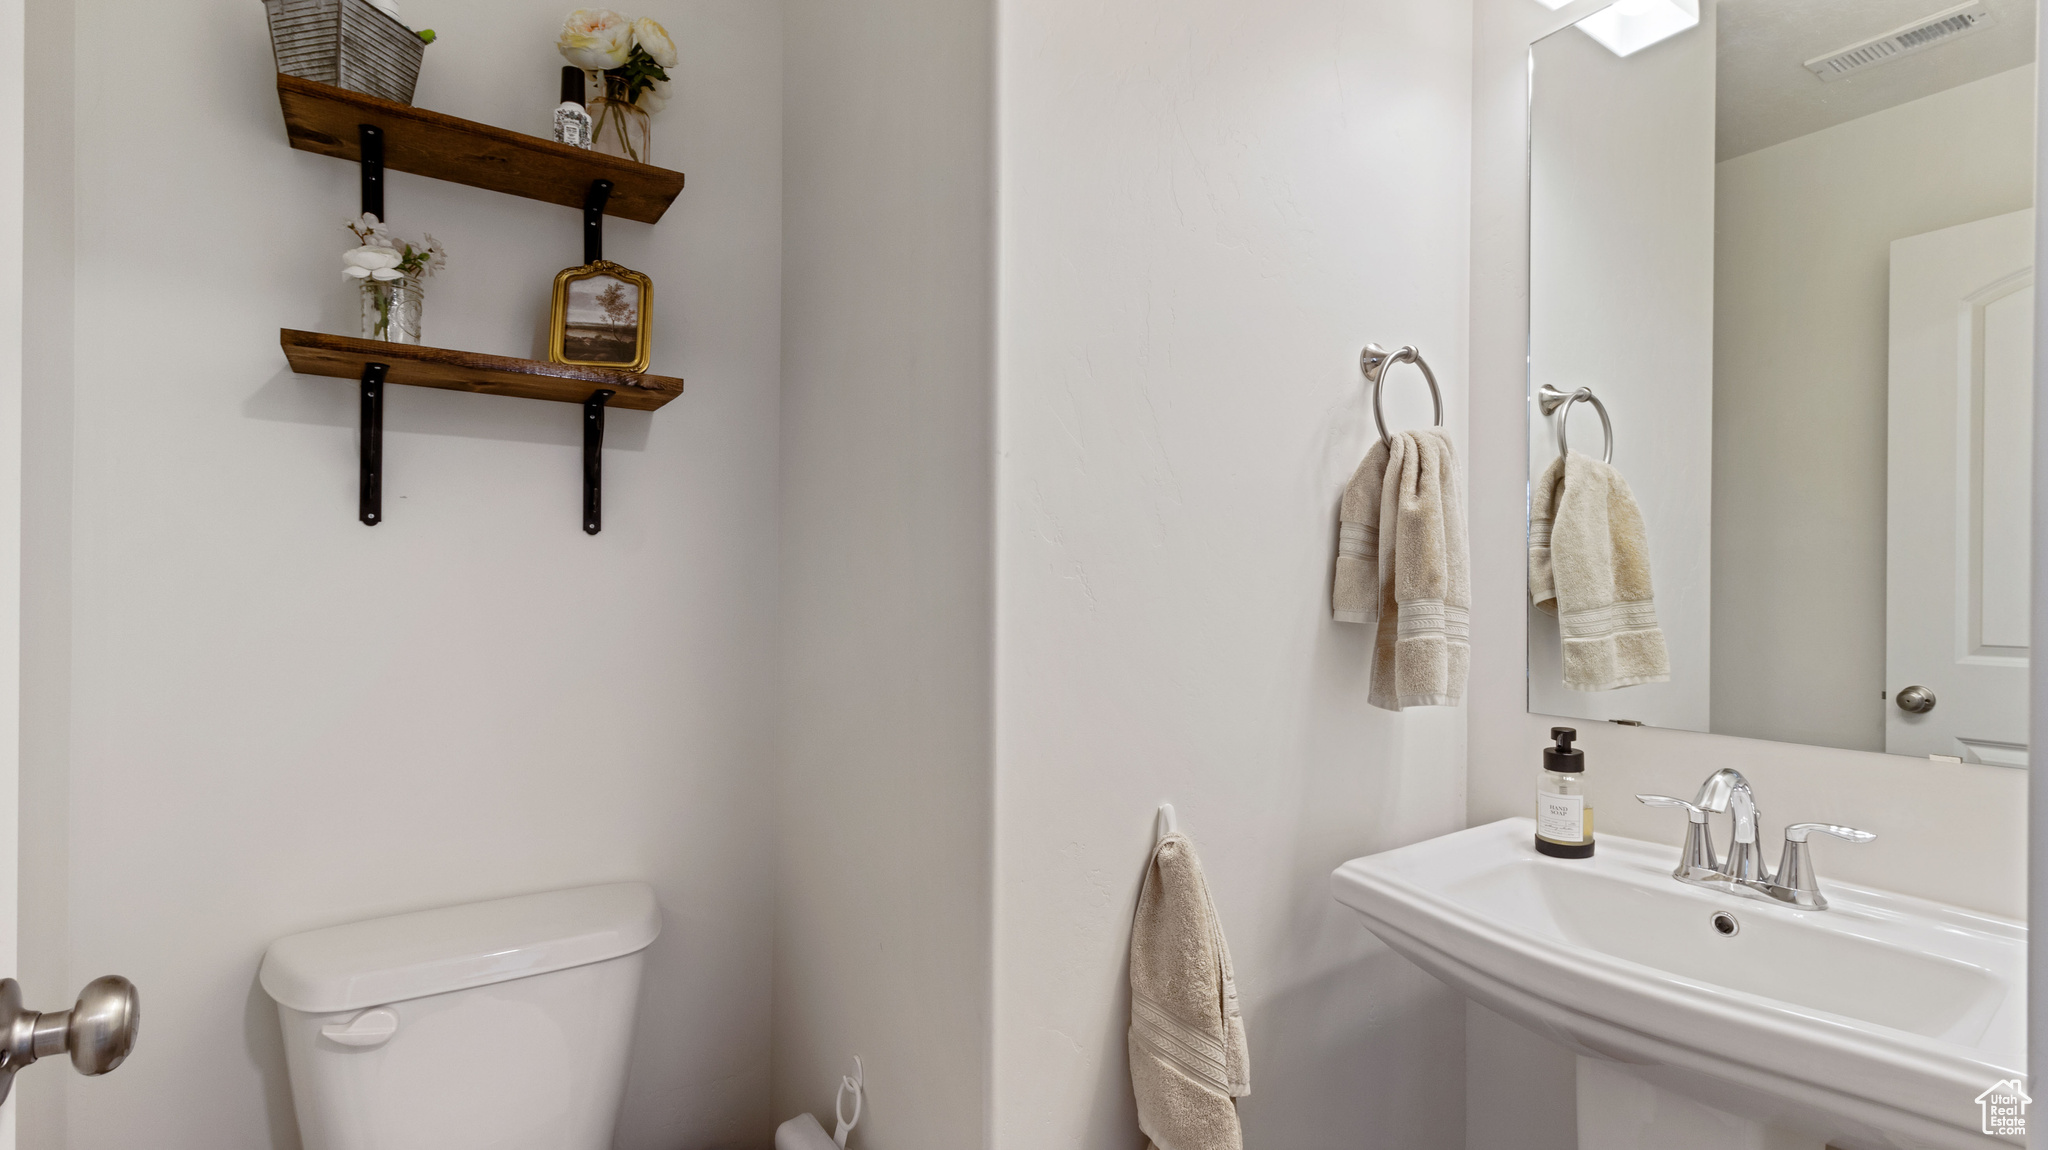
(594, 201)
(370, 483)
(370, 490)
(593, 460)
(370, 138)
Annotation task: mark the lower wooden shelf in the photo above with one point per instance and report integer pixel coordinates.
(315, 353)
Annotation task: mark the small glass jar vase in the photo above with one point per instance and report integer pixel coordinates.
(621, 129)
(391, 309)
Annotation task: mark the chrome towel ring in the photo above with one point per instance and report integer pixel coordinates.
(1375, 360)
(1552, 399)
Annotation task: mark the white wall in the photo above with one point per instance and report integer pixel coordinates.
(1801, 295)
(1922, 810)
(249, 714)
(883, 881)
(1208, 208)
(1622, 267)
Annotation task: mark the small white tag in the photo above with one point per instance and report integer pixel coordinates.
(1561, 818)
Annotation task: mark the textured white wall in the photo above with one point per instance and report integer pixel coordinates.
(1207, 209)
(1802, 290)
(882, 920)
(1922, 810)
(249, 714)
(1622, 267)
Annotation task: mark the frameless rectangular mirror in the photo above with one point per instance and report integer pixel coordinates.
(1785, 254)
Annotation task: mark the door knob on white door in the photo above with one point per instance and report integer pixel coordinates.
(98, 1031)
(1916, 700)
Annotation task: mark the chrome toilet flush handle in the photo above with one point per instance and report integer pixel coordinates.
(99, 1030)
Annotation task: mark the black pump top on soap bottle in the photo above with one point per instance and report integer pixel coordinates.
(1562, 757)
(572, 85)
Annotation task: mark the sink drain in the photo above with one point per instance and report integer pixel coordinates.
(1725, 924)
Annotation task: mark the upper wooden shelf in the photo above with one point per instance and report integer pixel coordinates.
(314, 353)
(321, 118)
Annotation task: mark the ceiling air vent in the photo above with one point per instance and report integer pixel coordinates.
(1939, 28)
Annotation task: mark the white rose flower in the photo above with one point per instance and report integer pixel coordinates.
(386, 275)
(653, 99)
(596, 39)
(355, 273)
(654, 38)
(370, 259)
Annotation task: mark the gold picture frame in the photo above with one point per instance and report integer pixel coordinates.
(595, 325)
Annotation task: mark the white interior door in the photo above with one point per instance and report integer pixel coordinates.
(1960, 477)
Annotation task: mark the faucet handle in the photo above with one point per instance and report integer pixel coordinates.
(1797, 832)
(1697, 862)
(1796, 883)
(1693, 813)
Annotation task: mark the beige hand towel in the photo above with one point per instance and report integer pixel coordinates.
(1187, 1046)
(1355, 596)
(1414, 583)
(1589, 565)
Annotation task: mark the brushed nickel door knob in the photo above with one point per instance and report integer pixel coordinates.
(98, 1031)
(1916, 700)
(101, 1028)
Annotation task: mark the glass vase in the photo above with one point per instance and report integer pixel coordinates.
(391, 309)
(621, 129)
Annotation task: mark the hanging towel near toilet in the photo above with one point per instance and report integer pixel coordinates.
(1589, 565)
(1402, 568)
(1189, 1060)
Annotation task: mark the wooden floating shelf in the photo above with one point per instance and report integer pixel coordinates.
(314, 353)
(322, 118)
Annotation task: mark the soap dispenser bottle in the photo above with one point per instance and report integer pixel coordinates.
(1564, 819)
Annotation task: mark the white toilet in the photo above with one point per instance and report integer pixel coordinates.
(500, 1025)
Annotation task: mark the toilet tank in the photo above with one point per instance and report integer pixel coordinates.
(497, 1025)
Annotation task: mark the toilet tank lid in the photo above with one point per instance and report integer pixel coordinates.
(454, 948)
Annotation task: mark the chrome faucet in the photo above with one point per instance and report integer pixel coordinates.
(1742, 872)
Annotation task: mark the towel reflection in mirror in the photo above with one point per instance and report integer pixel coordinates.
(1589, 565)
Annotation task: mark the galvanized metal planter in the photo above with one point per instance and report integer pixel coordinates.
(350, 44)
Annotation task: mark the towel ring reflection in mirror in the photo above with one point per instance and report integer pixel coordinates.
(1552, 399)
(1375, 360)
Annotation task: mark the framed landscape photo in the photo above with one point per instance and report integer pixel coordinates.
(600, 318)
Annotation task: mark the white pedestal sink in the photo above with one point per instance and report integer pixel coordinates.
(1873, 1025)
